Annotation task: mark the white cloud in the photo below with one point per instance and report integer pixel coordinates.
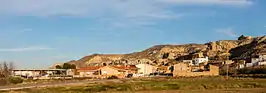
(152, 8)
(143, 12)
(77, 7)
(24, 49)
(125, 10)
(212, 2)
(227, 31)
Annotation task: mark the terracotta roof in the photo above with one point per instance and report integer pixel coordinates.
(90, 68)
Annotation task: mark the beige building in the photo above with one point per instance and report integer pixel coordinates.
(146, 69)
(106, 71)
(183, 69)
(89, 71)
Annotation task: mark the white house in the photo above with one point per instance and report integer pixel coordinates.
(261, 60)
(200, 60)
(36, 72)
(146, 69)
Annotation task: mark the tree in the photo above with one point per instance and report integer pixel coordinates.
(6, 70)
(69, 66)
(73, 66)
(58, 67)
(15, 80)
(242, 37)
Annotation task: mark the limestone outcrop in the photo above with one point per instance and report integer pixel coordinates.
(222, 49)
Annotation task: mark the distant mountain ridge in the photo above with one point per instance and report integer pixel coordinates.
(217, 50)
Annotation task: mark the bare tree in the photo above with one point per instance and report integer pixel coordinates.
(5, 72)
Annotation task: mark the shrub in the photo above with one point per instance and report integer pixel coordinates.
(58, 67)
(112, 77)
(242, 37)
(252, 71)
(231, 71)
(66, 66)
(15, 80)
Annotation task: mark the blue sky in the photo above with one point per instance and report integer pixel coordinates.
(38, 33)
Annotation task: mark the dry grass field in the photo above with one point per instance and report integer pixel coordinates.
(161, 85)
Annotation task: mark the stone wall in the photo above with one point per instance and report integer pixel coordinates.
(184, 70)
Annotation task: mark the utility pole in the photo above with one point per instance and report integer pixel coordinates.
(227, 67)
(227, 62)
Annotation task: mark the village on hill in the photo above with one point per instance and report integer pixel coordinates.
(192, 60)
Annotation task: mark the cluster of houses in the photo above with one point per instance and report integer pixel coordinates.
(141, 69)
(200, 66)
(257, 61)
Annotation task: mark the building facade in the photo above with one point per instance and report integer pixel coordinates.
(197, 61)
(146, 69)
(261, 60)
(40, 73)
(106, 71)
(183, 69)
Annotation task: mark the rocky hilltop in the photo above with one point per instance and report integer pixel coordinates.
(219, 50)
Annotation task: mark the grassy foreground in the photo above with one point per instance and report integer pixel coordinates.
(161, 85)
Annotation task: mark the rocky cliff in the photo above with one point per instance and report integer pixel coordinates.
(218, 50)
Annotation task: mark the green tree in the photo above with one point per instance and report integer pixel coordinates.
(15, 80)
(69, 66)
(73, 66)
(58, 67)
(242, 37)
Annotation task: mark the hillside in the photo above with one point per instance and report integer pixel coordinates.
(218, 50)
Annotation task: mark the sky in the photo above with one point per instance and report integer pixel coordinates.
(39, 33)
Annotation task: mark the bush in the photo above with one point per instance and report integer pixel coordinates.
(242, 37)
(252, 71)
(231, 71)
(68, 66)
(112, 77)
(15, 80)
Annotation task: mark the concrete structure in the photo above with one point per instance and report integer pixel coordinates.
(228, 62)
(39, 72)
(89, 71)
(262, 63)
(183, 69)
(164, 69)
(197, 61)
(146, 69)
(261, 60)
(241, 66)
(106, 71)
